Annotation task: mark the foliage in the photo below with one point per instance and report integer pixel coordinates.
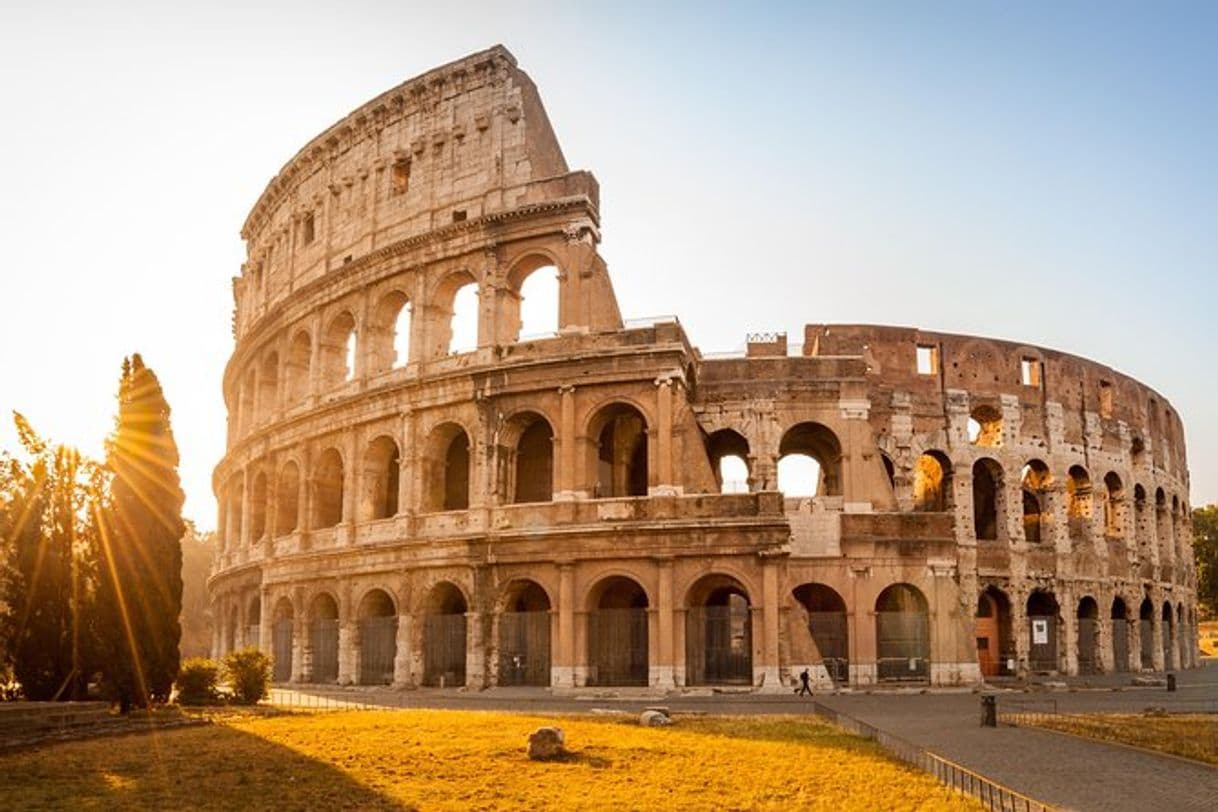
(1205, 548)
(140, 595)
(48, 570)
(462, 760)
(197, 679)
(1188, 735)
(249, 675)
(196, 620)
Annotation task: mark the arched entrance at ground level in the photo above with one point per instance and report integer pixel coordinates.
(1182, 638)
(1146, 632)
(1088, 617)
(718, 633)
(281, 641)
(378, 638)
(827, 623)
(902, 634)
(323, 639)
(1042, 614)
(230, 633)
(1168, 635)
(253, 622)
(444, 627)
(524, 635)
(992, 630)
(1120, 636)
(617, 633)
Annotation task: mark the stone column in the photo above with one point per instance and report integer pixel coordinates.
(662, 676)
(475, 659)
(402, 658)
(266, 624)
(663, 445)
(348, 655)
(1156, 627)
(567, 444)
(769, 662)
(562, 667)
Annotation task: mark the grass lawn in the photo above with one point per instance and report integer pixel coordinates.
(1191, 735)
(468, 760)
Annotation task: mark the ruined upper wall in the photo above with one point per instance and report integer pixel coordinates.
(1094, 399)
(456, 144)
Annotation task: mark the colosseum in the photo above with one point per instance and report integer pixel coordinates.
(595, 502)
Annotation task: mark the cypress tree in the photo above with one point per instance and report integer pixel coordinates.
(140, 561)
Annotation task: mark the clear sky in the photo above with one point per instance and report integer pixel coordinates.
(1045, 172)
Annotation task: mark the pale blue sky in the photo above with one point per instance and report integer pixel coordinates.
(1044, 172)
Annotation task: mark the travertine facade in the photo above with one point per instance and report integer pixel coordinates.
(550, 511)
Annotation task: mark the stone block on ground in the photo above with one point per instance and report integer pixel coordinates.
(546, 743)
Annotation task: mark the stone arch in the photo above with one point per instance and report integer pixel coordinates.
(932, 482)
(828, 625)
(718, 632)
(445, 635)
(1087, 618)
(985, 426)
(287, 498)
(992, 630)
(1078, 502)
(323, 637)
(381, 478)
(1114, 506)
(989, 500)
(1119, 616)
(1167, 634)
(377, 645)
(618, 650)
(1044, 621)
(527, 458)
(297, 368)
(728, 447)
(524, 633)
(527, 283)
(816, 441)
(447, 468)
(253, 621)
(283, 621)
(1036, 482)
(1146, 613)
(456, 305)
(268, 386)
(328, 481)
(339, 348)
(618, 466)
(902, 634)
(1163, 526)
(258, 507)
(388, 333)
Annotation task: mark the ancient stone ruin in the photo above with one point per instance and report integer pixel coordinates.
(605, 505)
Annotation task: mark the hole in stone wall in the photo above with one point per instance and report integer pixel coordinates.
(928, 359)
(307, 229)
(1030, 372)
(985, 427)
(1105, 400)
(539, 303)
(465, 320)
(400, 177)
(459, 215)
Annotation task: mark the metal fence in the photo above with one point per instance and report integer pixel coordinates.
(617, 647)
(444, 650)
(524, 648)
(829, 632)
(903, 646)
(719, 645)
(992, 795)
(378, 646)
(323, 649)
(281, 649)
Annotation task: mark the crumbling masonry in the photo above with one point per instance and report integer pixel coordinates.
(554, 511)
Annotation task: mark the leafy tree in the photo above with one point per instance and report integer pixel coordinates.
(1205, 548)
(47, 589)
(140, 586)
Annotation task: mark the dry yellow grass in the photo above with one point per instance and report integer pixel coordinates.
(1190, 735)
(462, 760)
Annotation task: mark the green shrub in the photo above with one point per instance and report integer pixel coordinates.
(249, 675)
(197, 680)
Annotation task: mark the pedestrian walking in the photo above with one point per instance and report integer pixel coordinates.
(805, 683)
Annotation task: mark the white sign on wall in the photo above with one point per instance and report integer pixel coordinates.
(1040, 632)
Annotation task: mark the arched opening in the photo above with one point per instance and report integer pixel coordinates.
(985, 427)
(1168, 636)
(287, 498)
(249, 391)
(389, 333)
(1177, 534)
(1114, 506)
(524, 635)
(1078, 503)
(281, 640)
(718, 633)
(338, 348)
(297, 372)
(987, 496)
(1182, 639)
(728, 453)
(268, 387)
(447, 468)
(1042, 613)
(617, 633)
(1146, 633)
(1163, 527)
(381, 478)
(328, 490)
(932, 483)
(809, 461)
(902, 633)
(444, 630)
(537, 312)
(992, 629)
(230, 632)
(533, 469)
(621, 452)
(827, 624)
(1088, 619)
(378, 638)
(1036, 481)
(323, 639)
(253, 622)
(236, 512)
(258, 508)
(1120, 635)
(456, 473)
(463, 326)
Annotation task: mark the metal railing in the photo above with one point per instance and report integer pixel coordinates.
(991, 794)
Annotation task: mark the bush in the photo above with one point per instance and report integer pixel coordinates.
(197, 680)
(249, 675)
